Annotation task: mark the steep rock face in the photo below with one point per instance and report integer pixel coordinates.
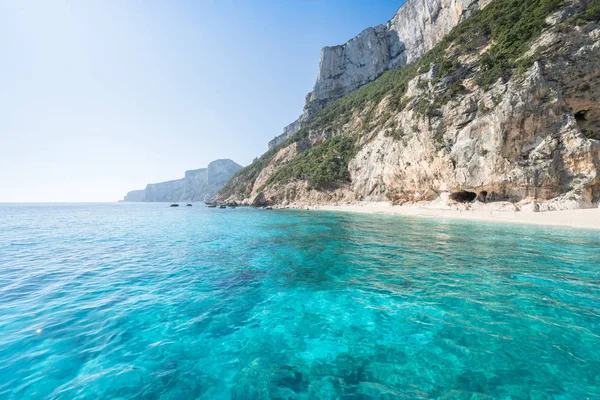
(416, 27)
(525, 135)
(136, 195)
(196, 185)
(525, 147)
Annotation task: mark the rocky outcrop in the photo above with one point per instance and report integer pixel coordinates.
(524, 134)
(520, 142)
(417, 26)
(136, 195)
(197, 185)
(259, 200)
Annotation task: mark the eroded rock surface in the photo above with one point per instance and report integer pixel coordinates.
(530, 139)
(415, 29)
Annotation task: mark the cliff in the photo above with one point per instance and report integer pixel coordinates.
(416, 28)
(196, 185)
(504, 109)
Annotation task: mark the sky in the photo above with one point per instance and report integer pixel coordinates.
(98, 98)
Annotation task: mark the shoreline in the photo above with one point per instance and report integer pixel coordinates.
(588, 218)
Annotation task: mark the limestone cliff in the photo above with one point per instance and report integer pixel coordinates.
(197, 185)
(415, 29)
(506, 109)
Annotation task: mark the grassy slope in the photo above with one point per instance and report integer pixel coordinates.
(510, 25)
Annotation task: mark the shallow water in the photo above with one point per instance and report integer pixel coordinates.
(151, 302)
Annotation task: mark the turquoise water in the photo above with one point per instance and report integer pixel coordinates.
(144, 301)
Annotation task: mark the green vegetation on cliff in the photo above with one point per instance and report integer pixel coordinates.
(509, 24)
(243, 180)
(503, 31)
(592, 13)
(323, 166)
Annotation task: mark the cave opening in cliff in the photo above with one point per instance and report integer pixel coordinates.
(483, 196)
(580, 116)
(586, 124)
(596, 195)
(463, 196)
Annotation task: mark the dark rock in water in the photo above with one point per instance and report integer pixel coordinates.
(211, 205)
(223, 206)
(174, 205)
(259, 200)
(188, 205)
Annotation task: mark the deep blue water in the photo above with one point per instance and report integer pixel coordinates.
(105, 301)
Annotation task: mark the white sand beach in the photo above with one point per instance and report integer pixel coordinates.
(582, 218)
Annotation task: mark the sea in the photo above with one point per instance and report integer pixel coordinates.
(147, 301)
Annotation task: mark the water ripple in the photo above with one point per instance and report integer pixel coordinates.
(144, 301)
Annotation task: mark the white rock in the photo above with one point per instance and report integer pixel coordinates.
(416, 28)
(197, 185)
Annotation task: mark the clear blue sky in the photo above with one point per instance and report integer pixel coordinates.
(101, 97)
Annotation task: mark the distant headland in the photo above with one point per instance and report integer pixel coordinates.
(197, 185)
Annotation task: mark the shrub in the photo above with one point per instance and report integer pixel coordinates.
(323, 167)
(592, 12)
(590, 134)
